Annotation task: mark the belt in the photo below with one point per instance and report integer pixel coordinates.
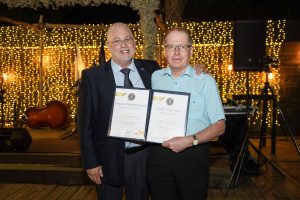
(135, 149)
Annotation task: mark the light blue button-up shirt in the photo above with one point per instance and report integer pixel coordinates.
(205, 103)
(135, 79)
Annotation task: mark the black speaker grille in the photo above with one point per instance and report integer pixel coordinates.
(249, 45)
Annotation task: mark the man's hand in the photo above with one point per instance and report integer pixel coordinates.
(178, 144)
(200, 68)
(95, 174)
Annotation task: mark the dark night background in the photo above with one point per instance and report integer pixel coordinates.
(195, 10)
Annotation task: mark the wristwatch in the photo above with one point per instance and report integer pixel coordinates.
(195, 141)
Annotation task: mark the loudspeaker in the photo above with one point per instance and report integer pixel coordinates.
(249, 45)
(14, 140)
(235, 132)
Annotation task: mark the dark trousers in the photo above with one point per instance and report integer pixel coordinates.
(136, 187)
(178, 176)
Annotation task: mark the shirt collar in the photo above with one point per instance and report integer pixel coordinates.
(116, 68)
(189, 71)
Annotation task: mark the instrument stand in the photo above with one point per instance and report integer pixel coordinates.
(73, 129)
(238, 166)
(241, 156)
(263, 96)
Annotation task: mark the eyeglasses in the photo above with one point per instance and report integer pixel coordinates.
(180, 47)
(118, 42)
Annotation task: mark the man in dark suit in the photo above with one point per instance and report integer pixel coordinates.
(112, 163)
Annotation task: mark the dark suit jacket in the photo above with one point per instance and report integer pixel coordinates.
(96, 93)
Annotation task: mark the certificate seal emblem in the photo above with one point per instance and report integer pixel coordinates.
(131, 96)
(170, 101)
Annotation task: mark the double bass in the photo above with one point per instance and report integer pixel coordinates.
(55, 115)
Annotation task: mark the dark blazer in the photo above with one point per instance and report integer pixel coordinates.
(96, 93)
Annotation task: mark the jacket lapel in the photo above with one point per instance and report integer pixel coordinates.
(146, 78)
(108, 83)
(108, 75)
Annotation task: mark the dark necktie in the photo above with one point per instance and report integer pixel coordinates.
(127, 82)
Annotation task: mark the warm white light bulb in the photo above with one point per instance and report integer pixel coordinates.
(270, 76)
(4, 76)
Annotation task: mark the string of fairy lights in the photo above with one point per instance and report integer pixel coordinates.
(20, 58)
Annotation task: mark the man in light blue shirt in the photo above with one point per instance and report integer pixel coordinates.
(179, 168)
(204, 96)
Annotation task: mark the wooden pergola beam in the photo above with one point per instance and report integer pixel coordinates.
(16, 22)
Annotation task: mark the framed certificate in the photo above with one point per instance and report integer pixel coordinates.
(129, 113)
(148, 115)
(168, 115)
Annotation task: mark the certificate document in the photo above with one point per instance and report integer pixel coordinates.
(168, 115)
(129, 113)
